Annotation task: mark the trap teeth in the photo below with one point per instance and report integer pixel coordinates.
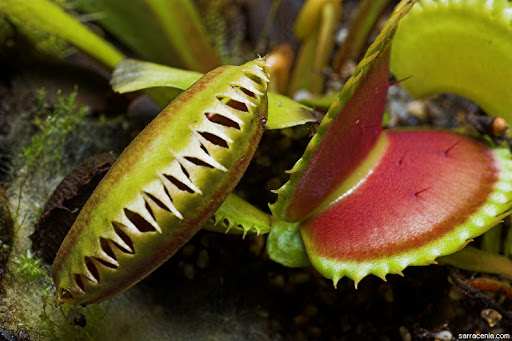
(179, 169)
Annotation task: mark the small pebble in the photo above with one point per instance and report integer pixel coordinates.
(301, 95)
(316, 332)
(301, 319)
(341, 35)
(345, 324)
(262, 313)
(284, 143)
(499, 127)
(188, 250)
(205, 241)
(444, 335)
(202, 259)
(417, 109)
(256, 245)
(405, 334)
(455, 293)
(311, 310)
(491, 316)
(277, 281)
(189, 271)
(348, 69)
(300, 278)
(76, 318)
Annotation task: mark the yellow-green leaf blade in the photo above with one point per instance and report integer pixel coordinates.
(48, 17)
(132, 75)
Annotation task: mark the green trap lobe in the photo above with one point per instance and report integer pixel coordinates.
(460, 47)
(164, 186)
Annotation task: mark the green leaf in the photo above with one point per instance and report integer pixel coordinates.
(166, 32)
(132, 75)
(364, 21)
(284, 112)
(322, 102)
(473, 259)
(285, 245)
(315, 26)
(48, 17)
(491, 240)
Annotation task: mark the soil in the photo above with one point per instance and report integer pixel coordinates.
(271, 302)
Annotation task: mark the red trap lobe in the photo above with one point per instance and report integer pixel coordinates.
(425, 186)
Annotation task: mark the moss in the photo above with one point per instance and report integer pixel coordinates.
(46, 142)
(29, 266)
(73, 322)
(54, 130)
(65, 322)
(42, 145)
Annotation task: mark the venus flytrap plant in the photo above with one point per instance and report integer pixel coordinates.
(165, 185)
(360, 201)
(335, 211)
(369, 201)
